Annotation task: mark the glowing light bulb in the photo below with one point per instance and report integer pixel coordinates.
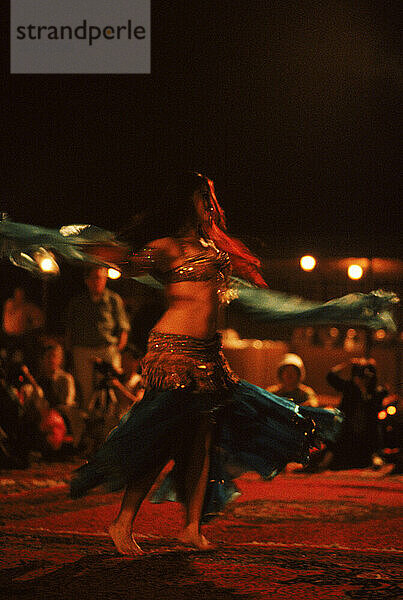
(307, 263)
(382, 415)
(114, 273)
(46, 265)
(391, 410)
(46, 262)
(355, 272)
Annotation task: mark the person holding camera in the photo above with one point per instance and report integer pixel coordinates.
(116, 391)
(361, 401)
(97, 328)
(15, 430)
(44, 425)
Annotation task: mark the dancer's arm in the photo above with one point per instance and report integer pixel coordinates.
(153, 258)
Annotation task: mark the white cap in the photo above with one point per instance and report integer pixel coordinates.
(295, 361)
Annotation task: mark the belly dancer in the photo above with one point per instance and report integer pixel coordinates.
(195, 410)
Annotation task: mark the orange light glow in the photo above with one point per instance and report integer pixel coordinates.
(47, 265)
(391, 410)
(382, 415)
(308, 263)
(355, 272)
(380, 334)
(114, 273)
(46, 262)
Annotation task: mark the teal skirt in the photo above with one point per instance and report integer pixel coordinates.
(255, 431)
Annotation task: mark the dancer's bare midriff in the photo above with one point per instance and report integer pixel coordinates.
(192, 309)
(192, 306)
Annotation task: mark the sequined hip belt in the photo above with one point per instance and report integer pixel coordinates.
(184, 362)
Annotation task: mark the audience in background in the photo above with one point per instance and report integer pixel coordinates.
(48, 428)
(129, 388)
(290, 374)
(115, 393)
(59, 389)
(15, 434)
(21, 323)
(39, 410)
(362, 399)
(97, 327)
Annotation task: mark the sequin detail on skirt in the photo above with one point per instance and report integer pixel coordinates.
(182, 362)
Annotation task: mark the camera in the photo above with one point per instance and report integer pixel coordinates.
(11, 371)
(106, 369)
(364, 370)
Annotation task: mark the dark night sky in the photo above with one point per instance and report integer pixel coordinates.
(292, 107)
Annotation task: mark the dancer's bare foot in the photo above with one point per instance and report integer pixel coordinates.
(123, 540)
(191, 537)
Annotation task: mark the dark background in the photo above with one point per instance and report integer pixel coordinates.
(291, 107)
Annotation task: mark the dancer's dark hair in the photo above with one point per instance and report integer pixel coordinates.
(175, 211)
(167, 215)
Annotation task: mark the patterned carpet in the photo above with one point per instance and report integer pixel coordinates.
(328, 536)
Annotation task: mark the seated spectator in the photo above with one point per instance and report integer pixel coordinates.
(59, 389)
(290, 373)
(15, 436)
(45, 427)
(129, 387)
(49, 405)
